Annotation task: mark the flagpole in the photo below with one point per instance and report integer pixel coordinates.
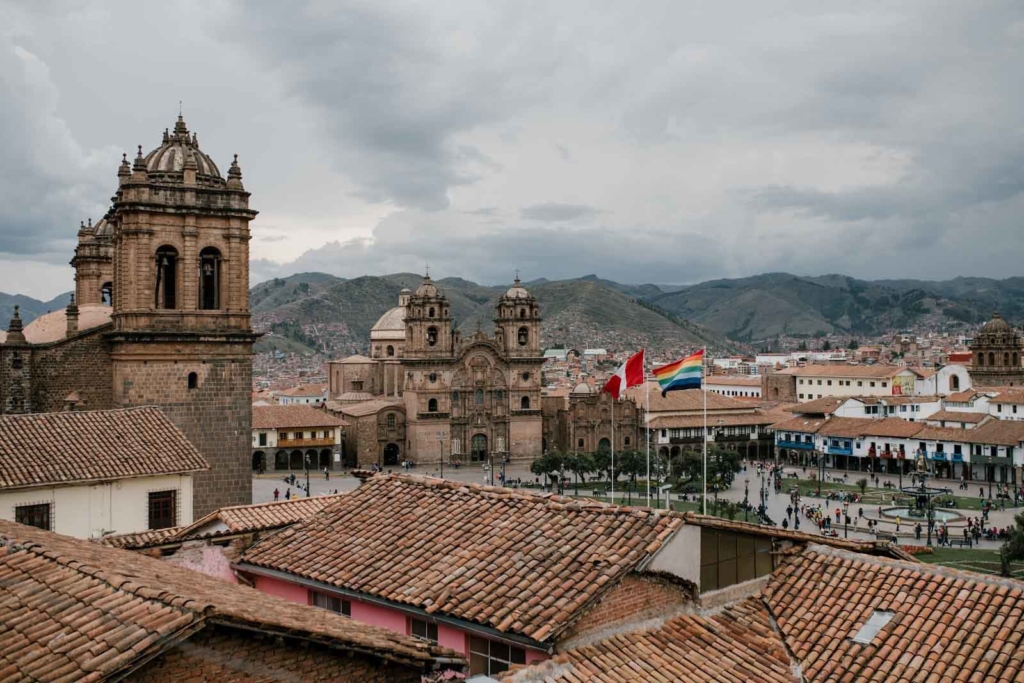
(647, 408)
(704, 387)
(613, 450)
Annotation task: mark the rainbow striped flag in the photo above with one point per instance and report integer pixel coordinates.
(682, 374)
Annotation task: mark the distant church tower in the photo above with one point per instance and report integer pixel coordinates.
(181, 335)
(996, 355)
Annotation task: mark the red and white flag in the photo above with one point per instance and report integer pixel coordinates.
(629, 374)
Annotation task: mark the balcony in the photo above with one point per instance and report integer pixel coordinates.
(306, 443)
(799, 445)
(840, 450)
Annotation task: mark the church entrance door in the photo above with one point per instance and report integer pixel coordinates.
(479, 448)
(391, 452)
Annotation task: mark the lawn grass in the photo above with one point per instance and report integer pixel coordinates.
(971, 559)
(882, 496)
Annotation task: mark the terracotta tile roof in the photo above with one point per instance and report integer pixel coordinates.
(965, 396)
(946, 625)
(73, 447)
(999, 432)
(892, 427)
(800, 423)
(1011, 397)
(75, 610)
(290, 417)
(518, 562)
(737, 644)
(370, 407)
(820, 406)
(227, 521)
(956, 416)
(687, 421)
(304, 390)
(850, 427)
(929, 433)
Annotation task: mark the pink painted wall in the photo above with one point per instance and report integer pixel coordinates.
(453, 638)
(379, 616)
(282, 589)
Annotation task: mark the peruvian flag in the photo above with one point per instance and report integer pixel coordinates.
(629, 374)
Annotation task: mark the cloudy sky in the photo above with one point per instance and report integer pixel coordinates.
(654, 141)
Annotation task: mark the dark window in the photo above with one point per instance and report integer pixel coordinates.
(432, 405)
(107, 294)
(330, 602)
(479, 397)
(455, 397)
(431, 336)
(391, 420)
(427, 630)
(524, 336)
(579, 443)
(728, 558)
(209, 279)
(489, 657)
(627, 441)
(991, 358)
(391, 351)
(431, 313)
(526, 376)
(433, 377)
(501, 395)
(162, 509)
(16, 360)
(193, 380)
(166, 278)
(981, 359)
(525, 403)
(522, 312)
(263, 438)
(33, 515)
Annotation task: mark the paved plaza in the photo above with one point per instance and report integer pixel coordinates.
(264, 486)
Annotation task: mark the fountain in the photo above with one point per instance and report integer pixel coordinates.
(923, 495)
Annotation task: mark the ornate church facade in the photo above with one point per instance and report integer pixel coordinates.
(429, 394)
(160, 314)
(997, 354)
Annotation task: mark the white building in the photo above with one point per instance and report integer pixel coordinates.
(1007, 405)
(88, 474)
(737, 386)
(302, 395)
(296, 437)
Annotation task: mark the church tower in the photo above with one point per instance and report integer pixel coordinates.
(181, 335)
(517, 323)
(428, 323)
(997, 352)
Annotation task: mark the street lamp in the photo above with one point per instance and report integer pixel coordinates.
(306, 461)
(746, 499)
(846, 519)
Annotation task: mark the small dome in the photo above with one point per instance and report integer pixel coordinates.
(54, 325)
(582, 388)
(167, 162)
(428, 288)
(103, 229)
(996, 325)
(517, 291)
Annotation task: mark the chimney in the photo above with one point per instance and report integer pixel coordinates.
(72, 315)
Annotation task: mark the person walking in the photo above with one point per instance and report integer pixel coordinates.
(277, 494)
(897, 523)
(288, 494)
(789, 511)
(327, 474)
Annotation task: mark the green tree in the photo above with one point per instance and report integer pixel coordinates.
(854, 344)
(1013, 549)
(631, 463)
(862, 484)
(827, 346)
(802, 346)
(602, 464)
(549, 465)
(579, 464)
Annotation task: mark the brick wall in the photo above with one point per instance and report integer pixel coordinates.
(228, 656)
(15, 379)
(82, 364)
(216, 415)
(775, 387)
(635, 598)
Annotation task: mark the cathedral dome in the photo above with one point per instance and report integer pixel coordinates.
(391, 326)
(103, 229)
(582, 389)
(53, 326)
(996, 325)
(167, 162)
(517, 291)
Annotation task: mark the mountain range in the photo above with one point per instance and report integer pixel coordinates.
(317, 312)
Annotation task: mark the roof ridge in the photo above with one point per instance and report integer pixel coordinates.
(271, 503)
(919, 567)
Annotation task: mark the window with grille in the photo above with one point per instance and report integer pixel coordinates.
(423, 629)
(331, 602)
(489, 657)
(162, 509)
(34, 515)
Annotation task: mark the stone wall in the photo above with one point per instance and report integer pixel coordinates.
(216, 415)
(776, 387)
(15, 378)
(229, 656)
(79, 364)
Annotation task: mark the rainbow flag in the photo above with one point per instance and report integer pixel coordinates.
(682, 374)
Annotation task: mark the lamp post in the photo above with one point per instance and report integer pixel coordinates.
(821, 470)
(306, 461)
(441, 435)
(746, 499)
(846, 519)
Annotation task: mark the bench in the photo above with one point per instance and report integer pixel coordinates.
(968, 543)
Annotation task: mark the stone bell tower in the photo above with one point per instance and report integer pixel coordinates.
(517, 322)
(181, 335)
(428, 323)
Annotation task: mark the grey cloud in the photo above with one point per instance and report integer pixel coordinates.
(554, 212)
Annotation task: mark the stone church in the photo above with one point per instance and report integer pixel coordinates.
(997, 354)
(160, 314)
(427, 393)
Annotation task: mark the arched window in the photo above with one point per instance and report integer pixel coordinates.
(522, 312)
(430, 314)
(479, 397)
(981, 359)
(391, 420)
(432, 405)
(166, 290)
(193, 380)
(604, 445)
(107, 294)
(431, 336)
(524, 336)
(1016, 359)
(579, 443)
(991, 358)
(1006, 358)
(525, 403)
(626, 441)
(455, 397)
(433, 377)
(954, 383)
(391, 351)
(500, 396)
(209, 279)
